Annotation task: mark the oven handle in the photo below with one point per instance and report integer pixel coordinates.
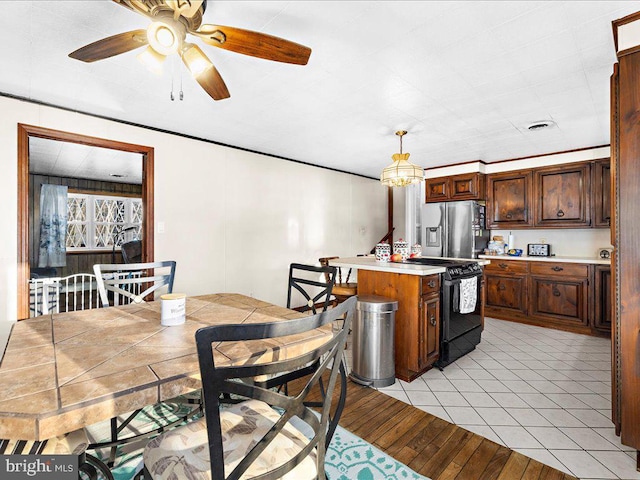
(457, 280)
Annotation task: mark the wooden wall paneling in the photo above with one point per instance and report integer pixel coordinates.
(24, 234)
(77, 262)
(615, 332)
(628, 246)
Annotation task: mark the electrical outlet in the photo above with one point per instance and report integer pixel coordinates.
(363, 230)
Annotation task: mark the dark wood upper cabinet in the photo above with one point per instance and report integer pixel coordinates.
(563, 196)
(509, 200)
(437, 189)
(602, 193)
(468, 186)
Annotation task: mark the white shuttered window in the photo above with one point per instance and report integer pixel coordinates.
(95, 222)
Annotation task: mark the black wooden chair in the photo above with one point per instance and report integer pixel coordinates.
(132, 251)
(341, 289)
(255, 434)
(314, 283)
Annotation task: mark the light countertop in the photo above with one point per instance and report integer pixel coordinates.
(370, 263)
(563, 259)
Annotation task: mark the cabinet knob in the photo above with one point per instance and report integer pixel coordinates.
(556, 292)
(432, 320)
(557, 269)
(501, 287)
(508, 216)
(503, 265)
(432, 283)
(560, 213)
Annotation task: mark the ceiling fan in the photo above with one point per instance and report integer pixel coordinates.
(171, 21)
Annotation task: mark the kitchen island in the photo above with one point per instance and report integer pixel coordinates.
(418, 318)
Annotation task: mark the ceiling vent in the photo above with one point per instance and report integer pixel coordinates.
(542, 125)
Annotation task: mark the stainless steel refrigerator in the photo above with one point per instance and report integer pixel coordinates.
(453, 229)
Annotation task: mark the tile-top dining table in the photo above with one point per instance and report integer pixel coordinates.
(65, 371)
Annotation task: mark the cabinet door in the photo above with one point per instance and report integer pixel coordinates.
(560, 299)
(467, 187)
(563, 196)
(509, 200)
(429, 331)
(437, 189)
(603, 309)
(602, 193)
(507, 293)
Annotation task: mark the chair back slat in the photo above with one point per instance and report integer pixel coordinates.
(313, 283)
(121, 284)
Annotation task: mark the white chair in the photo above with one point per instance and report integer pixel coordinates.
(133, 282)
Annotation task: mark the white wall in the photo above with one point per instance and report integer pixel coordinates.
(233, 220)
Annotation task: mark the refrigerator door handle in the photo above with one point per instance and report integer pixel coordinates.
(445, 244)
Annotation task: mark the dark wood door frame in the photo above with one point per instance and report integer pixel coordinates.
(26, 131)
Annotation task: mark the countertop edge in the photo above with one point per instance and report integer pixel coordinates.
(369, 263)
(595, 261)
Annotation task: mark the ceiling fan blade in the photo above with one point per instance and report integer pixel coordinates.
(253, 43)
(138, 6)
(213, 84)
(207, 75)
(111, 46)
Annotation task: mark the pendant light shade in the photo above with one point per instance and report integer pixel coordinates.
(401, 172)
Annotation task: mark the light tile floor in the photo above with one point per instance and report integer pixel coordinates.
(542, 392)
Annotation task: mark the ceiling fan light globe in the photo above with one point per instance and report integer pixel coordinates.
(164, 37)
(152, 60)
(196, 60)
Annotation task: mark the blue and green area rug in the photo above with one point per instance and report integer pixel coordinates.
(348, 456)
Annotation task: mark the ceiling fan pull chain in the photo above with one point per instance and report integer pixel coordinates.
(181, 93)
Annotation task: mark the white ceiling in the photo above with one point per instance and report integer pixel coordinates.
(64, 159)
(465, 78)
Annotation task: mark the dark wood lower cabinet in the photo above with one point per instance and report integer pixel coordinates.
(603, 306)
(508, 293)
(565, 296)
(417, 321)
(561, 300)
(429, 331)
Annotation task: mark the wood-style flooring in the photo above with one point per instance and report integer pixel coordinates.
(431, 446)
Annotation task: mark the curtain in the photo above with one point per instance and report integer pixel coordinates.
(53, 226)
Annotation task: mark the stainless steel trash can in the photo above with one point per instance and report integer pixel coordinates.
(373, 341)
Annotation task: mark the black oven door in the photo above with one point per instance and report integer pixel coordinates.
(459, 332)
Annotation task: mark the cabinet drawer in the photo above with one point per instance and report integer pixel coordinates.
(564, 269)
(513, 266)
(430, 284)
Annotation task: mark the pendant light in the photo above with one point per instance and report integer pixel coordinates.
(401, 172)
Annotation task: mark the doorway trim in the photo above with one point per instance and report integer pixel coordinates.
(26, 131)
